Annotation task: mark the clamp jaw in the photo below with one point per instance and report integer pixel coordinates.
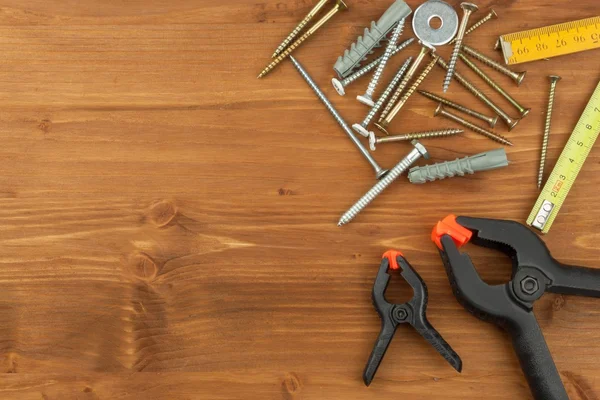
(412, 313)
(510, 306)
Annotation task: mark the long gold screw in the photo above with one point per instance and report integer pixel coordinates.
(553, 81)
(440, 111)
(339, 6)
(492, 121)
(515, 76)
(490, 16)
(522, 110)
(407, 137)
(468, 9)
(311, 14)
(382, 126)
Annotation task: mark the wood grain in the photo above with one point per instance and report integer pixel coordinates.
(168, 221)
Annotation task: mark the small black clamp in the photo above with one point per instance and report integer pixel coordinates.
(412, 312)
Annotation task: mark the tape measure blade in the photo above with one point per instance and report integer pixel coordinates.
(568, 166)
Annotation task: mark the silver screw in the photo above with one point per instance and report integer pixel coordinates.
(481, 96)
(522, 110)
(311, 14)
(553, 81)
(440, 111)
(411, 72)
(418, 152)
(491, 15)
(380, 172)
(362, 127)
(515, 76)
(492, 121)
(341, 85)
(373, 140)
(468, 9)
(388, 119)
(367, 98)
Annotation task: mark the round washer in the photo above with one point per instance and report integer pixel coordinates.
(435, 9)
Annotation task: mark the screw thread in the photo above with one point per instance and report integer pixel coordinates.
(338, 118)
(491, 15)
(547, 127)
(386, 93)
(475, 128)
(490, 120)
(285, 54)
(522, 110)
(516, 76)
(452, 65)
(376, 190)
(371, 66)
(311, 14)
(410, 92)
(420, 135)
(385, 58)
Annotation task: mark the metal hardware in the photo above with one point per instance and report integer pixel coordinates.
(367, 98)
(311, 14)
(522, 110)
(468, 9)
(515, 76)
(418, 152)
(388, 119)
(481, 96)
(373, 140)
(438, 99)
(490, 16)
(380, 172)
(339, 6)
(553, 81)
(340, 86)
(435, 10)
(371, 39)
(440, 111)
(460, 167)
(362, 127)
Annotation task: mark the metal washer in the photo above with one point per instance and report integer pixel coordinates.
(435, 9)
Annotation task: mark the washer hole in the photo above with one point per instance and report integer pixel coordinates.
(435, 22)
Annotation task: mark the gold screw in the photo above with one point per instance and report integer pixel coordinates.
(522, 110)
(492, 121)
(440, 111)
(491, 15)
(311, 14)
(412, 136)
(553, 81)
(386, 122)
(515, 76)
(339, 6)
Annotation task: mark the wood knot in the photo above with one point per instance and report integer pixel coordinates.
(45, 126)
(11, 363)
(162, 213)
(558, 303)
(143, 266)
(285, 192)
(291, 384)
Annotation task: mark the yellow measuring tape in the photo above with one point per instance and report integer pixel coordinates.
(551, 41)
(567, 167)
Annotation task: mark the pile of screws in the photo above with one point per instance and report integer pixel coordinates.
(402, 86)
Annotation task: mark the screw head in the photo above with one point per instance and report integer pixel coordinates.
(521, 74)
(530, 285)
(494, 121)
(469, 7)
(494, 14)
(341, 4)
(554, 78)
(512, 124)
(372, 141)
(438, 110)
(382, 128)
(337, 85)
(421, 149)
(358, 128)
(525, 113)
(366, 99)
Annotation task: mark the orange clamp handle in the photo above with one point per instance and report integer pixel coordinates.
(392, 255)
(448, 226)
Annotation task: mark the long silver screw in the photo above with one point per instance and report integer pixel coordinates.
(380, 172)
(490, 16)
(362, 127)
(492, 121)
(418, 152)
(367, 98)
(340, 86)
(407, 137)
(468, 9)
(553, 81)
(311, 14)
(515, 76)
(481, 96)
(440, 111)
(522, 110)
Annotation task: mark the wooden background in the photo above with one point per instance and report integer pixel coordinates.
(168, 221)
